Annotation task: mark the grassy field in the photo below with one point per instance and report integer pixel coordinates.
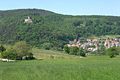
(89, 68)
(49, 54)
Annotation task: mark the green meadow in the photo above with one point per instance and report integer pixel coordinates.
(89, 68)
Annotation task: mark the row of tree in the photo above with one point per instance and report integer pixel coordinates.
(111, 52)
(75, 51)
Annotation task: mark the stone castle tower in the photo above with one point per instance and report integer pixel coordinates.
(28, 20)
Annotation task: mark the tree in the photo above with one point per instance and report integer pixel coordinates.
(74, 50)
(66, 49)
(112, 52)
(101, 50)
(81, 52)
(47, 46)
(22, 49)
(9, 54)
(2, 48)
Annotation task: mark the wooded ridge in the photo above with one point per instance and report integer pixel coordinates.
(49, 29)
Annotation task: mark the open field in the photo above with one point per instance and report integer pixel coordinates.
(89, 68)
(49, 54)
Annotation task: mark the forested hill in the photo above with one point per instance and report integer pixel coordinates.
(51, 29)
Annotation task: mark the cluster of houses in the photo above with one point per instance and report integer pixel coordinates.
(112, 42)
(94, 44)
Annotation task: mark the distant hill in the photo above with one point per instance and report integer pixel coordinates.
(50, 29)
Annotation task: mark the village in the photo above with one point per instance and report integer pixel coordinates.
(94, 44)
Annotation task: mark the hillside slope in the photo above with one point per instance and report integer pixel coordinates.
(51, 29)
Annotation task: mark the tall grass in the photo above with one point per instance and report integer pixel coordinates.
(90, 68)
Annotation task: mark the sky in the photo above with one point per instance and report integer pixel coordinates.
(69, 7)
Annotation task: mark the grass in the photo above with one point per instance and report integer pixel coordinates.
(89, 68)
(49, 54)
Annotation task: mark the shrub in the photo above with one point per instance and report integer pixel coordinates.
(81, 52)
(74, 50)
(47, 46)
(101, 50)
(2, 48)
(112, 52)
(9, 54)
(66, 49)
(22, 49)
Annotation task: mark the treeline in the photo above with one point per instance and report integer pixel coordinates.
(75, 51)
(111, 52)
(50, 30)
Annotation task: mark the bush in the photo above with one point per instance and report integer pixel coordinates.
(9, 54)
(112, 52)
(74, 50)
(118, 49)
(66, 49)
(2, 48)
(47, 46)
(101, 50)
(81, 52)
(21, 50)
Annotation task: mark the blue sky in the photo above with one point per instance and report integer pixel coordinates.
(71, 7)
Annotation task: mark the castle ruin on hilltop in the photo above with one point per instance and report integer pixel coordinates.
(28, 20)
